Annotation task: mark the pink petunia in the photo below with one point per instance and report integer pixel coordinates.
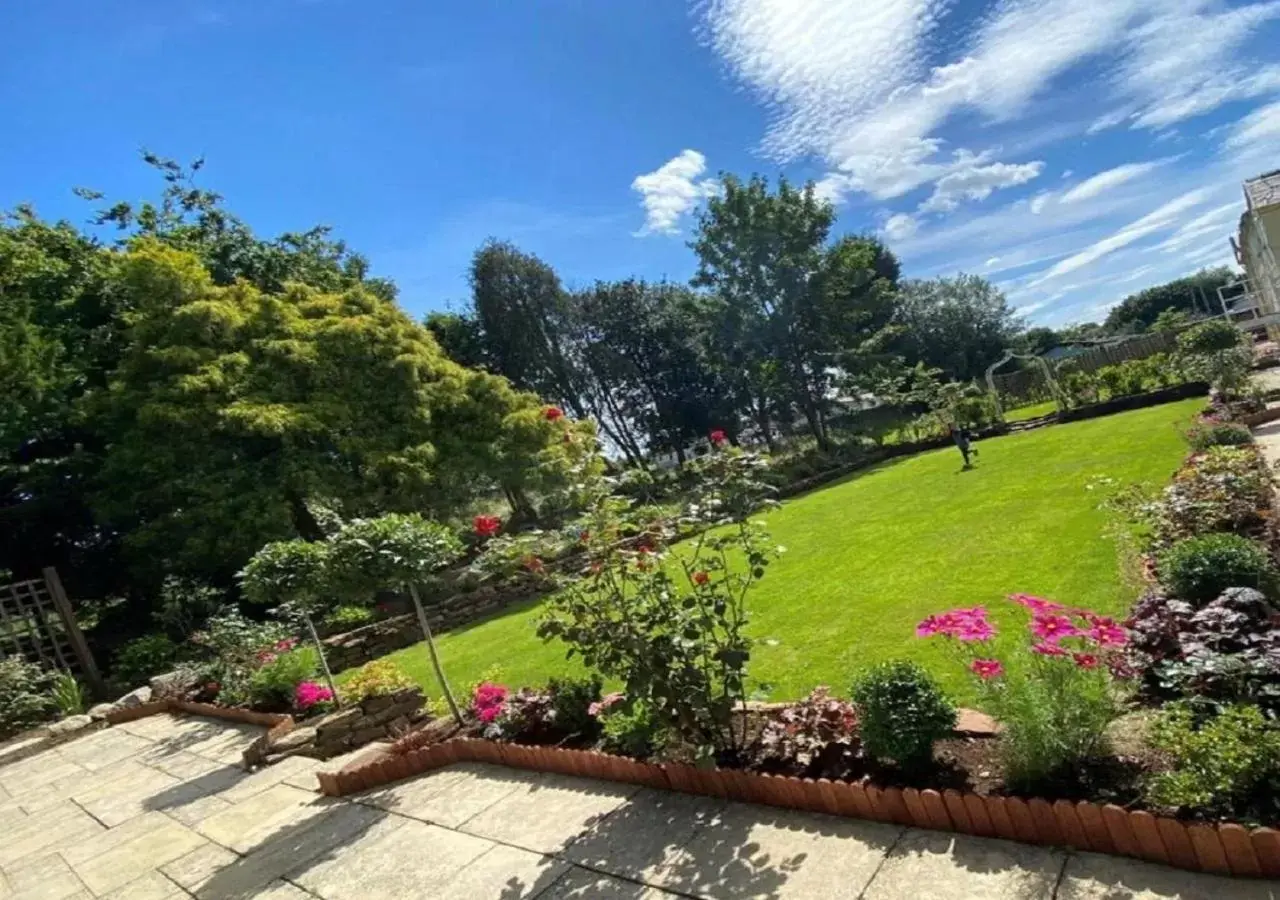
(1053, 628)
(986, 668)
(1036, 604)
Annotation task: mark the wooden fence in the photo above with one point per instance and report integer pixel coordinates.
(37, 624)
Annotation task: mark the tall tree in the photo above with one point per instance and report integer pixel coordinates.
(790, 308)
(960, 325)
(1194, 294)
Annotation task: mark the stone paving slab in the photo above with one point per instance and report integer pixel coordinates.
(186, 821)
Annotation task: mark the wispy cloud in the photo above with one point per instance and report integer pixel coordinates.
(1111, 178)
(671, 191)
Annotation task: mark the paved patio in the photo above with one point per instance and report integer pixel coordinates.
(158, 808)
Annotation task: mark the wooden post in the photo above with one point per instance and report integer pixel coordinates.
(74, 634)
(431, 651)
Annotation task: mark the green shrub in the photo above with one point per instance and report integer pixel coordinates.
(376, 679)
(1218, 434)
(26, 696)
(185, 606)
(571, 700)
(68, 694)
(902, 711)
(273, 686)
(632, 730)
(137, 661)
(1200, 568)
(348, 617)
(1218, 765)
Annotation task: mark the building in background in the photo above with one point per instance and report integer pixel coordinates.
(1258, 248)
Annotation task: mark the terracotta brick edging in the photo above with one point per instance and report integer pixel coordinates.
(1196, 846)
(277, 724)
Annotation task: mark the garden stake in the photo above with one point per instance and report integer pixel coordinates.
(431, 651)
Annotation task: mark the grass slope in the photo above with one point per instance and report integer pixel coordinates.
(871, 555)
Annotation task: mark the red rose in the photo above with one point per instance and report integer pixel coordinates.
(553, 413)
(701, 578)
(718, 436)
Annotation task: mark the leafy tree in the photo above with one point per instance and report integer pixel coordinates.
(1171, 320)
(960, 325)
(790, 309)
(232, 409)
(1138, 312)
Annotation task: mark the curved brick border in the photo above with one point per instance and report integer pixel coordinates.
(1199, 847)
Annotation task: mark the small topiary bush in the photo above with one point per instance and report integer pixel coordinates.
(26, 696)
(137, 661)
(1218, 434)
(1200, 568)
(902, 711)
(1219, 765)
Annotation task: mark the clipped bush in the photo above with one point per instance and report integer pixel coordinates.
(376, 679)
(26, 696)
(571, 700)
(1218, 764)
(143, 657)
(902, 710)
(1218, 434)
(1198, 569)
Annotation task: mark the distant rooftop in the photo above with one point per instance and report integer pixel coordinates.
(1264, 190)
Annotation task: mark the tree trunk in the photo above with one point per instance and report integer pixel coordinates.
(761, 410)
(435, 657)
(304, 523)
(324, 663)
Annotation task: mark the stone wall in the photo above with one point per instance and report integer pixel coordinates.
(355, 648)
(373, 719)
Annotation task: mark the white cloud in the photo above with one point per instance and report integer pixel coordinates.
(991, 262)
(1067, 173)
(671, 191)
(1153, 222)
(1215, 225)
(1183, 60)
(1111, 178)
(900, 227)
(975, 181)
(1260, 129)
(1110, 120)
(1040, 201)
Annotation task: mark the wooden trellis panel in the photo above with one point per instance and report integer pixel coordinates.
(37, 624)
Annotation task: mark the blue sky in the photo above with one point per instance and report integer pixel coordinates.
(1071, 150)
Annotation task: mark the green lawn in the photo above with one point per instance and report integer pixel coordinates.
(1034, 411)
(871, 555)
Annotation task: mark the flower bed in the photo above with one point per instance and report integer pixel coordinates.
(1226, 849)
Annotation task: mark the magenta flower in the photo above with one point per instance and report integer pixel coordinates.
(1037, 605)
(1048, 649)
(1085, 660)
(1053, 628)
(308, 693)
(963, 624)
(986, 668)
(488, 700)
(1107, 633)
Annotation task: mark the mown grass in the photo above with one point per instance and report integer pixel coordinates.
(869, 556)
(1034, 411)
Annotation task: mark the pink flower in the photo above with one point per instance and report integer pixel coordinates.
(718, 436)
(1107, 633)
(962, 624)
(1085, 660)
(986, 668)
(1048, 650)
(1053, 628)
(488, 700)
(1037, 605)
(931, 625)
(486, 526)
(976, 630)
(309, 693)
